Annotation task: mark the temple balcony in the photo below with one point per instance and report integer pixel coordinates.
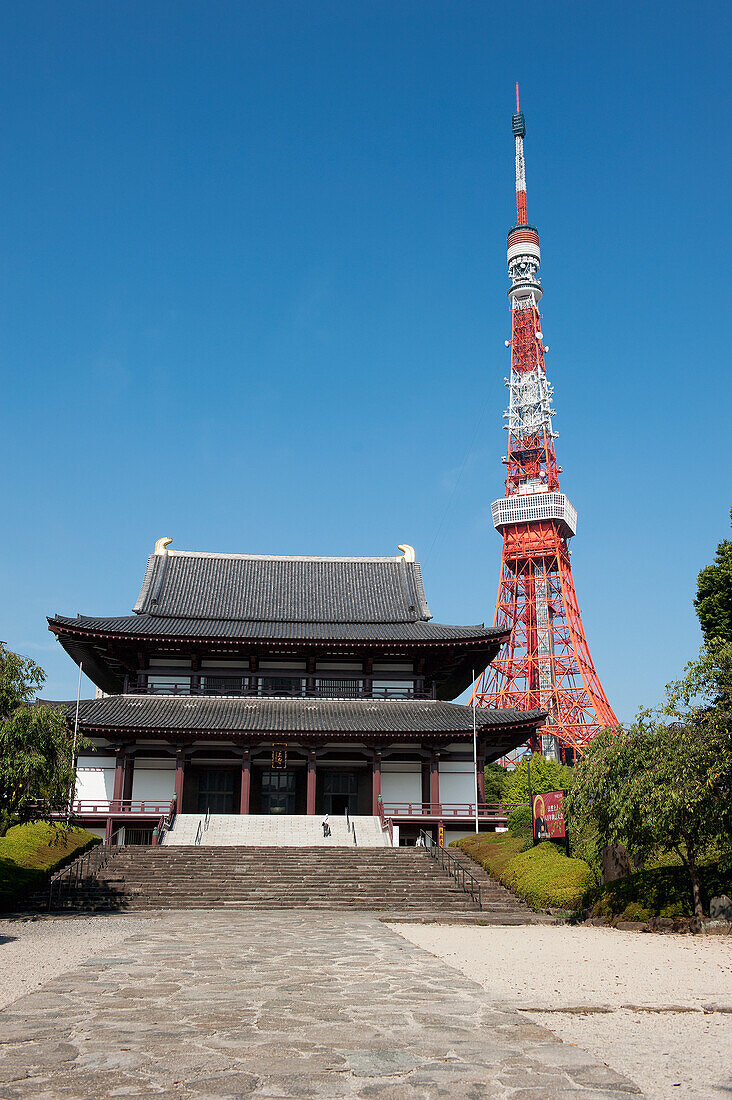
(280, 686)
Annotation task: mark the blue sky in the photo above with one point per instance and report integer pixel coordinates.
(254, 297)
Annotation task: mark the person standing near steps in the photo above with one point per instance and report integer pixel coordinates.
(326, 826)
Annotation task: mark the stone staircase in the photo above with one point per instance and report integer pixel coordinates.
(264, 830)
(395, 880)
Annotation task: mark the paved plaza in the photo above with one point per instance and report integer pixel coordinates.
(225, 1004)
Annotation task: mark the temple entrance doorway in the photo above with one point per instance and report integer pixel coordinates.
(340, 792)
(278, 792)
(216, 788)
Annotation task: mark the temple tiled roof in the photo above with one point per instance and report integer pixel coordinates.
(336, 717)
(253, 588)
(146, 625)
(229, 603)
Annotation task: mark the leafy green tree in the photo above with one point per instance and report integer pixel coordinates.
(713, 601)
(495, 777)
(36, 746)
(664, 783)
(546, 775)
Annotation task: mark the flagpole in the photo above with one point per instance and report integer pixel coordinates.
(72, 788)
(475, 757)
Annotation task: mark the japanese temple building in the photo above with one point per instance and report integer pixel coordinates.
(247, 684)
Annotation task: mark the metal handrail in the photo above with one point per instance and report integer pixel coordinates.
(87, 865)
(203, 826)
(463, 877)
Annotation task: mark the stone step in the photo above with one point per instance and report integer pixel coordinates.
(402, 880)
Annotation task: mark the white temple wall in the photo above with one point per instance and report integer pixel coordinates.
(401, 782)
(153, 780)
(95, 778)
(457, 834)
(456, 781)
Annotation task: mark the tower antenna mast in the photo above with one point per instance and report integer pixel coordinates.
(546, 663)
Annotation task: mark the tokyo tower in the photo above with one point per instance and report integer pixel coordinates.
(546, 662)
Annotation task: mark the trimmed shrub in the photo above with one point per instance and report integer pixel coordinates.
(491, 850)
(546, 878)
(30, 852)
(542, 875)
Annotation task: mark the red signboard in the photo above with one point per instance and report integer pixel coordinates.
(548, 810)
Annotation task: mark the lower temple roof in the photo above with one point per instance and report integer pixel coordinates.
(168, 714)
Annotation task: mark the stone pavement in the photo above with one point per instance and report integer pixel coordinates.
(224, 1005)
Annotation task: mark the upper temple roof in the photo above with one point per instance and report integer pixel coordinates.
(236, 604)
(259, 588)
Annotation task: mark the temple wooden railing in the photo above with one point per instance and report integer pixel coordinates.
(386, 821)
(166, 821)
(103, 808)
(488, 812)
(389, 813)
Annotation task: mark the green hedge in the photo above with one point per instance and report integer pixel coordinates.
(29, 853)
(659, 892)
(493, 851)
(542, 875)
(546, 878)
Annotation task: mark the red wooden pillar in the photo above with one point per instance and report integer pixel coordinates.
(129, 773)
(425, 781)
(481, 775)
(180, 764)
(435, 778)
(310, 804)
(119, 777)
(246, 781)
(376, 783)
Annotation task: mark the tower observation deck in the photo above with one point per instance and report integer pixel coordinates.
(546, 663)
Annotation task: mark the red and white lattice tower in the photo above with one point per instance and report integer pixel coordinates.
(546, 663)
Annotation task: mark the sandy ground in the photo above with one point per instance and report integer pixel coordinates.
(34, 951)
(553, 971)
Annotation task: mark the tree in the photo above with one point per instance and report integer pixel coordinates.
(546, 775)
(713, 601)
(664, 783)
(495, 777)
(36, 746)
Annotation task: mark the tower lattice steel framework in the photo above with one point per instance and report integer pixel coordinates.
(546, 663)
